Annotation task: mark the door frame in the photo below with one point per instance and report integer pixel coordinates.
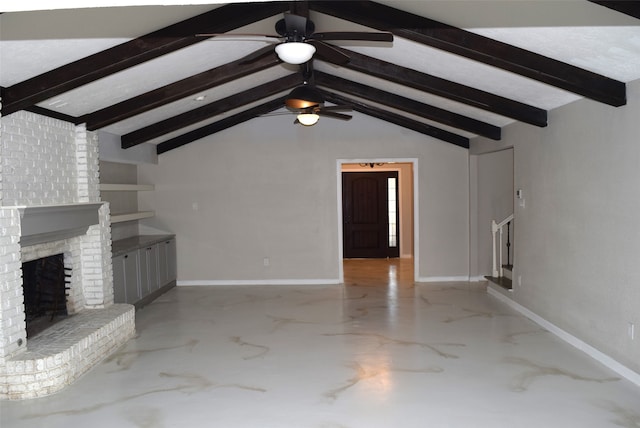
(416, 208)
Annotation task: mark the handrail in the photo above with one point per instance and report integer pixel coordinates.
(504, 222)
(497, 229)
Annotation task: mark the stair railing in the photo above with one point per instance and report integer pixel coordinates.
(497, 231)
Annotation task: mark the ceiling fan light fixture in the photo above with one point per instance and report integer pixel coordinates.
(308, 119)
(295, 52)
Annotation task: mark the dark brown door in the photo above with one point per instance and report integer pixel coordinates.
(365, 215)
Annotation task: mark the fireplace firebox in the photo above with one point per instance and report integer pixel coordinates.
(45, 283)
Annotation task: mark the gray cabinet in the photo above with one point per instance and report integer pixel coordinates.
(167, 261)
(126, 281)
(119, 284)
(143, 268)
(149, 268)
(131, 277)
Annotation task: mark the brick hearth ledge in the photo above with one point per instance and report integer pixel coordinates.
(68, 350)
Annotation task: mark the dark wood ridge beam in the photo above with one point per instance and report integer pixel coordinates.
(212, 109)
(223, 124)
(628, 7)
(408, 105)
(178, 90)
(478, 48)
(397, 119)
(160, 42)
(447, 89)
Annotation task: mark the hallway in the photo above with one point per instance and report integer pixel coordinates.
(378, 352)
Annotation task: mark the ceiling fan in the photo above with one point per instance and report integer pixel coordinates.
(308, 104)
(299, 41)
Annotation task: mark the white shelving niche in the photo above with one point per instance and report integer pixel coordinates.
(128, 216)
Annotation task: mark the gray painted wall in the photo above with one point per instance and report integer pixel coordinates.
(268, 188)
(578, 245)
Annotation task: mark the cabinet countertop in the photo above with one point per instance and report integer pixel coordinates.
(123, 246)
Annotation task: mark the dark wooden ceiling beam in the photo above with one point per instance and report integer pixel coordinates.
(478, 48)
(397, 119)
(220, 125)
(210, 110)
(178, 90)
(447, 89)
(408, 105)
(160, 42)
(55, 114)
(628, 7)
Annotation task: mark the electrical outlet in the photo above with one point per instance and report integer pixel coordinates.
(266, 261)
(519, 280)
(631, 331)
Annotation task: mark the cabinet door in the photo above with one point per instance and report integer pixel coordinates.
(167, 261)
(162, 263)
(152, 267)
(144, 272)
(172, 271)
(119, 282)
(132, 278)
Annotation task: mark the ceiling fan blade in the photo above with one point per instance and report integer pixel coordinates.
(341, 116)
(257, 55)
(231, 35)
(353, 35)
(328, 52)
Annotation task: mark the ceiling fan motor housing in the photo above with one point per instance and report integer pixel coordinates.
(303, 97)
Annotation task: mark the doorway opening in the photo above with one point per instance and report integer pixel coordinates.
(400, 236)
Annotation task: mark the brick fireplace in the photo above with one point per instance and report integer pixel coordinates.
(50, 204)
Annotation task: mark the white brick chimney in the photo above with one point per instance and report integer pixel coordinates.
(49, 172)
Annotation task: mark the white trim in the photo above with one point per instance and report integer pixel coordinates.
(599, 356)
(443, 279)
(416, 208)
(119, 218)
(478, 278)
(219, 282)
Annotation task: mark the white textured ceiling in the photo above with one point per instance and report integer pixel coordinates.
(577, 32)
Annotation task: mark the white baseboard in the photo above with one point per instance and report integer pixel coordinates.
(443, 279)
(604, 359)
(219, 282)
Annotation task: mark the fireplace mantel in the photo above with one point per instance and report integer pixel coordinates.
(46, 223)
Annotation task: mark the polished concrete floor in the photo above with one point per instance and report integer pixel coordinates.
(377, 352)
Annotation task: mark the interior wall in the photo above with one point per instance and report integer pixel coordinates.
(405, 200)
(258, 202)
(577, 247)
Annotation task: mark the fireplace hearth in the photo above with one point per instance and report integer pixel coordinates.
(50, 204)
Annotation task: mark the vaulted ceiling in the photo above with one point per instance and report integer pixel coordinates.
(455, 70)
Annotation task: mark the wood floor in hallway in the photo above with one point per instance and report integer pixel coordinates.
(396, 272)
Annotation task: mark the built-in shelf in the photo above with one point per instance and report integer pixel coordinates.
(119, 218)
(107, 187)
